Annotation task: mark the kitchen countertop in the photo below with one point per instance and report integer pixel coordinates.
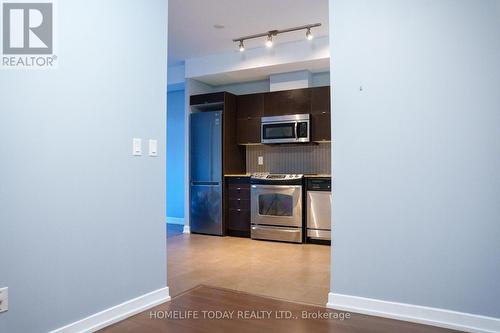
(305, 176)
(318, 176)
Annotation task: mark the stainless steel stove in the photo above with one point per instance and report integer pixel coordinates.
(276, 176)
(276, 207)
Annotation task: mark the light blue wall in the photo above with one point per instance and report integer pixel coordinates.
(82, 220)
(175, 154)
(416, 159)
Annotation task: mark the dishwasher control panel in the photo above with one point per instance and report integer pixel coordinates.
(319, 184)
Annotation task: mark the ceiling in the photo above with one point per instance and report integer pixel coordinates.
(262, 73)
(191, 31)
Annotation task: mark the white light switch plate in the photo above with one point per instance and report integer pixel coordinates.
(261, 160)
(153, 147)
(136, 147)
(4, 299)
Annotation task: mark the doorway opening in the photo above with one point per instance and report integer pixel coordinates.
(232, 222)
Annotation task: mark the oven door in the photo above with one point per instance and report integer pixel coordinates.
(276, 205)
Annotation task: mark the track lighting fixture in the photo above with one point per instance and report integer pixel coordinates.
(269, 42)
(309, 34)
(270, 34)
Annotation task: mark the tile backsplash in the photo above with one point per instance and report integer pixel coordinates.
(290, 158)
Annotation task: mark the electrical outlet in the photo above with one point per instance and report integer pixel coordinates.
(260, 160)
(4, 299)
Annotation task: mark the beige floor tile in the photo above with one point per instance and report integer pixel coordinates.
(298, 272)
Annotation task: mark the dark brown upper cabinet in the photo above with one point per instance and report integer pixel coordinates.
(210, 98)
(320, 127)
(320, 100)
(279, 103)
(320, 114)
(250, 106)
(315, 101)
(250, 110)
(233, 156)
(248, 131)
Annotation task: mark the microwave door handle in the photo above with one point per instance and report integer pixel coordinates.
(296, 130)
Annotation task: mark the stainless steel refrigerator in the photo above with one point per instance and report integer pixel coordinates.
(206, 173)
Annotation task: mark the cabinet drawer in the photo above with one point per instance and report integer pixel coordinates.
(238, 180)
(239, 186)
(237, 203)
(241, 193)
(239, 219)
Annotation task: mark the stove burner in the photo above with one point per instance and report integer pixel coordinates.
(276, 176)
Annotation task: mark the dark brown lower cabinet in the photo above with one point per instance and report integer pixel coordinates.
(237, 206)
(240, 222)
(238, 192)
(320, 127)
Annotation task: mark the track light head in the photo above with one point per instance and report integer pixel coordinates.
(269, 42)
(309, 35)
(242, 46)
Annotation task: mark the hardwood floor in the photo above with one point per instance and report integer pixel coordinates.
(297, 272)
(250, 313)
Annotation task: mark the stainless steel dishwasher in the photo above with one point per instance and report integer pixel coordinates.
(319, 209)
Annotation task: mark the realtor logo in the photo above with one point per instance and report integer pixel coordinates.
(27, 34)
(27, 28)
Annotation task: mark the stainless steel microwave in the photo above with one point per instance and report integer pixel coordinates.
(286, 129)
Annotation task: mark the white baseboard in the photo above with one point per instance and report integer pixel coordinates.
(175, 220)
(414, 313)
(186, 230)
(117, 313)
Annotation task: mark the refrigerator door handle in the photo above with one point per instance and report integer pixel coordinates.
(205, 183)
(210, 157)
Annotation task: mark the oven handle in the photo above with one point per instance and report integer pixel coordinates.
(267, 186)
